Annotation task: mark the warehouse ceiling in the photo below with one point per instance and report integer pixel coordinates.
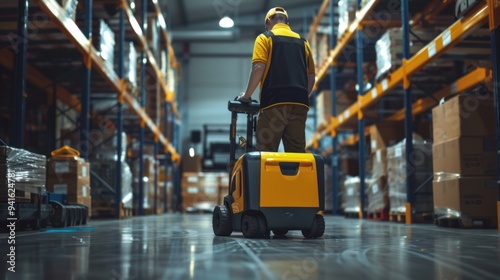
(194, 20)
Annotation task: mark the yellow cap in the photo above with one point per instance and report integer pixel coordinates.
(275, 10)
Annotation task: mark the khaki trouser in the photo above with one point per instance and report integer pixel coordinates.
(285, 122)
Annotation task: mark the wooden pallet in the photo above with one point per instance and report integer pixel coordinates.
(397, 217)
(419, 218)
(379, 215)
(108, 211)
(351, 215)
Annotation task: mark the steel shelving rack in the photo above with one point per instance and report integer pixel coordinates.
(487, 12)
(80, 39)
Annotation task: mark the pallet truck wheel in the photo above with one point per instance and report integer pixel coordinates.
(58, 214)
(317, 229)
(85, 214)
(221, 222)
(250, 226)
(79, 215)
(280, 231)
(70, 216)
(263, 231)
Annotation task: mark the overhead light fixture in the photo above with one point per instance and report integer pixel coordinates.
(226, 22)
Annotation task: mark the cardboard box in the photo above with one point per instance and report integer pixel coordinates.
(324, 104)
(385, 134)
(378, 194)
(349, 166)
(223, 191)
(351, 195)
(74, 166)
(195, 197)
(69, 176)
(200, 191)
(471, 199)
(70, 187)
(379, 163)
(463, 115)
(420, 167)
(467, 156)
(191, 164)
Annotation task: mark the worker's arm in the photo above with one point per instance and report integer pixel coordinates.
(256, 74)
(311, 79)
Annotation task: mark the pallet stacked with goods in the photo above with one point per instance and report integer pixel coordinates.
(402, 59)
(108, 75)
(202, 191)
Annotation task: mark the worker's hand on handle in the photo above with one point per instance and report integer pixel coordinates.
(244, 99)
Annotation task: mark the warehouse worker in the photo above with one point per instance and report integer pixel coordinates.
(282, 64)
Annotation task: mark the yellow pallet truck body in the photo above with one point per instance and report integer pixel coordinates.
(270, 191)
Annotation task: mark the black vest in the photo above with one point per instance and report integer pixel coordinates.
(286, 79)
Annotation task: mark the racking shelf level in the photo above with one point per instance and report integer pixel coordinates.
(91, 58)
(344, 39)
(169, 95)
(467, 82)
(453, 35)
(446, 40)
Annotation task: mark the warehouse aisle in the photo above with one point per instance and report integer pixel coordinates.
(176, 246)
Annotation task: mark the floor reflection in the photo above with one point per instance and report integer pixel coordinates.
(179, 246)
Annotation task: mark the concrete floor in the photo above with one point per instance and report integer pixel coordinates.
(177, 246)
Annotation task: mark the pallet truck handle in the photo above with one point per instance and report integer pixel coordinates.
(65, 151)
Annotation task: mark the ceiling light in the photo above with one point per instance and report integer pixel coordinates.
(226, 22)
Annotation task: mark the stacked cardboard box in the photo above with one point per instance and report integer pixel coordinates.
(152, 35)
(347, 14)
(223, 187)
(70, 176)
(130, 63)
(382, 135)
(27, 169)
(200, 191)
(161, 192)
(464, 157)
(351, 195)
(324, 104)
(348, 166)
(389, 47)
(377, 193)
(104, 42)
(148, 182)
(378, 196)
(320, 47)
(420, 167)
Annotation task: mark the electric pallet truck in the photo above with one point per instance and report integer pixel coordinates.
(270, 191)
